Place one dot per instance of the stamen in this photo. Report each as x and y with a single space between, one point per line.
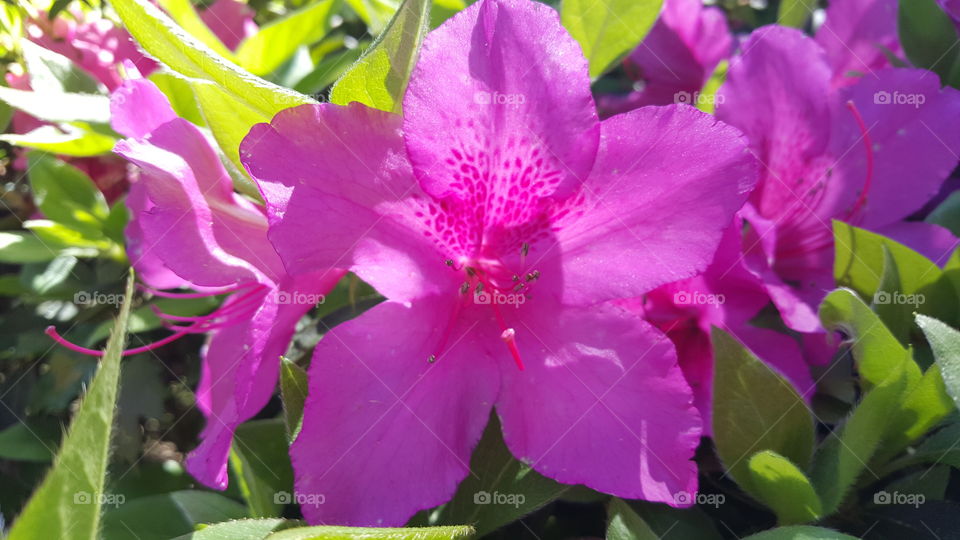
52 332
165 294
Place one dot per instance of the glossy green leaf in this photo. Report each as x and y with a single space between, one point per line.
379 78
755 409
800 533
845 455
859 262
51 71
59 106
185 15
945 342
75 139
21 247
370 533
795 12
293 393
180 95
785 489
168 515
929 38
608 30
276 42
624 524
65 194
68 502
875 350
237 100
374 13
261 465
499 489
241 529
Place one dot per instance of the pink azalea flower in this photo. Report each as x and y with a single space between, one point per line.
676 58
499 218
952 8
97 45
231 21
728 296
858 38
189 228
833 153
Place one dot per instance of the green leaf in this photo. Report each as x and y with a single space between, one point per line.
379 78
74 139
184 14
33 441
168 515
929 38
800 533
624 524
608 30
374 13
924 288
947 214
707 100
877 353
680 523
241 529
293 393
21 247
844 456
370 533
754 409
499 489
276 42
779 484
875 350
67 504
180 95
262 465
238 99
54 72
59 106
945 342
943 447
897 317
66 195
795 12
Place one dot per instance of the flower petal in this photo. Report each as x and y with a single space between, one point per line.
240 366
324 168
932 241
857 37
666 184
501 81
602 402
138 107
386 433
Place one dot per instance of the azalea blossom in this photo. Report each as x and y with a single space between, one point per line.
833 153
728 296
676 58
189 229
231 21
499 217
